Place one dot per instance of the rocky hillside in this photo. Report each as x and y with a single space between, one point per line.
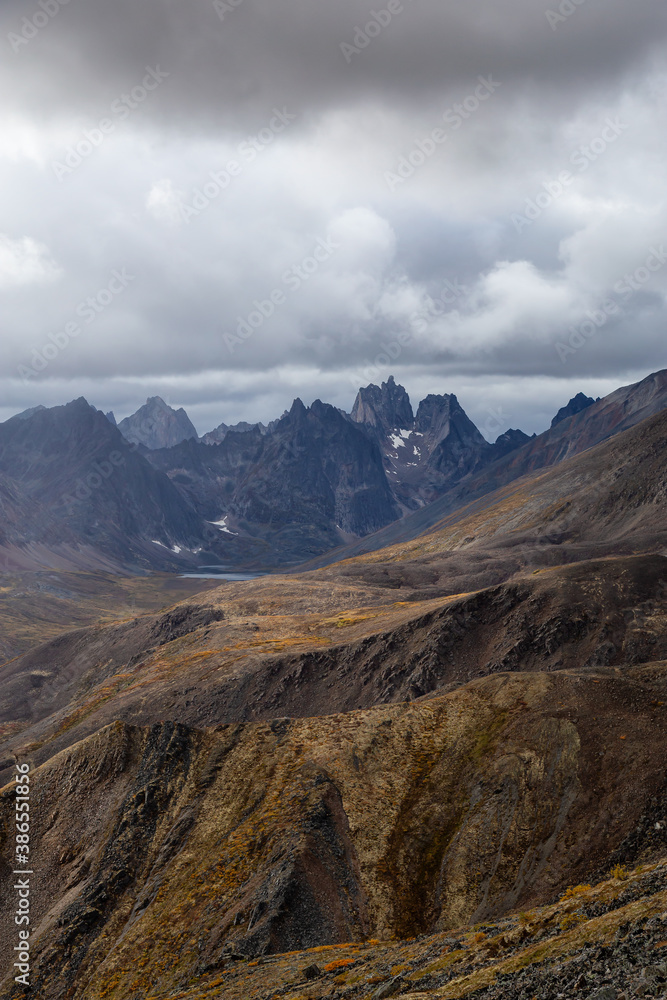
294 648
597 942
35 607
164 849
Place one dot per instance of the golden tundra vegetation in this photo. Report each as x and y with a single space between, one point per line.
38 606
361 780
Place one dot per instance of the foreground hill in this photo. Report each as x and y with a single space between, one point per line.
249 652
601 941
37 607
164 849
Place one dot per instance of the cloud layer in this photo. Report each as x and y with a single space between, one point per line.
233 203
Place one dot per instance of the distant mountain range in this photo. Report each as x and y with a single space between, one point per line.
77 491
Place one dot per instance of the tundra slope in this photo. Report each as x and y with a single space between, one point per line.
164 849
338 639
212 663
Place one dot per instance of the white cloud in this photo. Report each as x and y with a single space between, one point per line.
164 203
25 262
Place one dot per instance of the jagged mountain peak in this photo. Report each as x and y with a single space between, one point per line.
577 404
422 453
157 425
218 435
384 408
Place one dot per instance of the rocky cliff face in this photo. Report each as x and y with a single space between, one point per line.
302 487
454 444
317 467
426 454
384 409
156 425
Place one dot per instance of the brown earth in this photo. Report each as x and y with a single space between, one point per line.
614 931
35 607
160 850
211 663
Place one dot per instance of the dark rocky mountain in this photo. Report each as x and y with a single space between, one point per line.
209 474
309 483
453 443
29 413
75 494
505 443
218 435
314 480
426 454
620 411
384 409
317 459
577 404
156 425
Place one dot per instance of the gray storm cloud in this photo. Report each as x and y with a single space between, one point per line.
228 64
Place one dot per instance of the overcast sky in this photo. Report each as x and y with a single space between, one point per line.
231 204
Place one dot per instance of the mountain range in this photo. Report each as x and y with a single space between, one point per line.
431 769
79 492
